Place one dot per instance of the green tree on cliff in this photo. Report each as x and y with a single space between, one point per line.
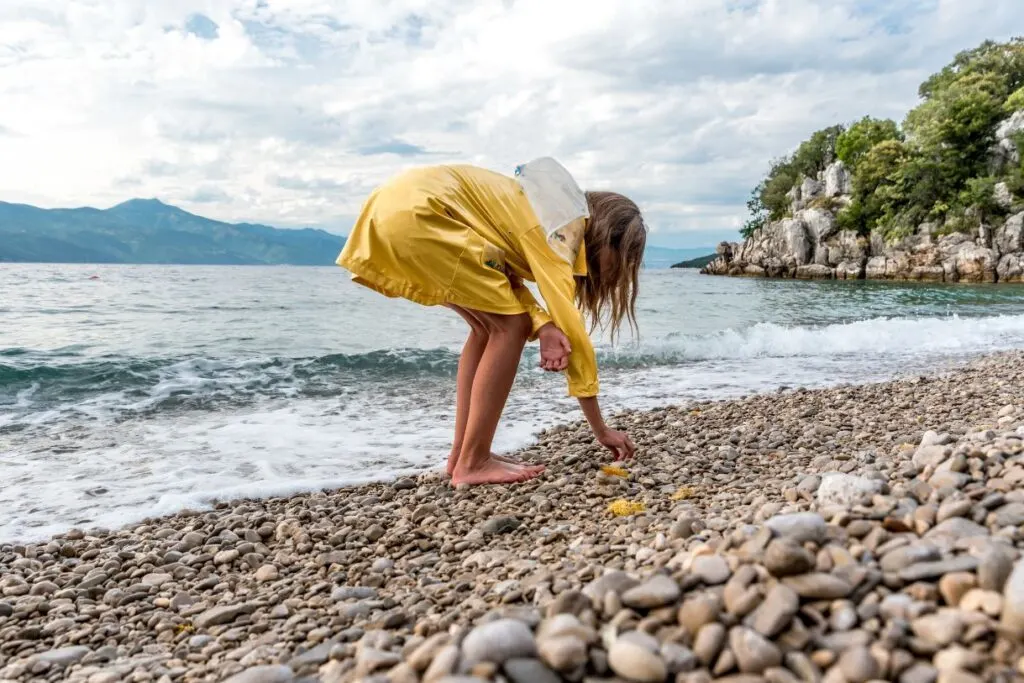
935 167
860 137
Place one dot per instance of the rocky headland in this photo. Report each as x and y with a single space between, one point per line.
810 244
853 534
938 197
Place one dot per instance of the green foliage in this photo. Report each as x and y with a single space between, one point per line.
815 154
1004 61
1015 102
936 167
856 140
980 193
853 217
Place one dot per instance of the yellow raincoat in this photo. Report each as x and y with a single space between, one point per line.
468 236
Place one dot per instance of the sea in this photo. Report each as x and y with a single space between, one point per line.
133 391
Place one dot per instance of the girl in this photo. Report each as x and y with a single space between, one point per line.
466 238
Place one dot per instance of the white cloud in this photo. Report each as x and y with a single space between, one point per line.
290 111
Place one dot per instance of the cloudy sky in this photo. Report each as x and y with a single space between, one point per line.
289 112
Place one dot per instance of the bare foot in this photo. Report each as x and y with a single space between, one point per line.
492 472
512 460
507 459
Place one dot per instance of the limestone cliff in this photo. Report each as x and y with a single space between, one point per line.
809 244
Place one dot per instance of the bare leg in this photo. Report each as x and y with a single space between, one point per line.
492 383
472 351
469 361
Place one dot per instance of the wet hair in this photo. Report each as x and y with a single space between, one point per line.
615 239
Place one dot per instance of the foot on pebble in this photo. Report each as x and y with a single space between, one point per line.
493 471
507 459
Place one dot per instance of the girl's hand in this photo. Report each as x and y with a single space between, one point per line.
618 443
554 348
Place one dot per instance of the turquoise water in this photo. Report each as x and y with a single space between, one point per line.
127 391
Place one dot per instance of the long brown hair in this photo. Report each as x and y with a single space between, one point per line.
615 239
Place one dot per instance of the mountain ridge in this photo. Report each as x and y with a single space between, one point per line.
150 231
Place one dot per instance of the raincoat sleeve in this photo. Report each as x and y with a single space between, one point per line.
554 277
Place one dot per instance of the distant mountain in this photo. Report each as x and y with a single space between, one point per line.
698 262
149 231
663 257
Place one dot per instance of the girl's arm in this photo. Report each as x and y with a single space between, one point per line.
554 278
617 442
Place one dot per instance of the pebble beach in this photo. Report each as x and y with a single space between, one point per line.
844 535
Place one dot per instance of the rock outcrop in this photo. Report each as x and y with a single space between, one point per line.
809 245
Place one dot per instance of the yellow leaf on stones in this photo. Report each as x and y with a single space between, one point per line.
613 471
623 508
694 412
184 628
683 493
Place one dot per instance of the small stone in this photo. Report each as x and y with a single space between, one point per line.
709 642
939 629
858 666
785 557
677 658
954 508
697 611
226 556
371 659
528 670
754 653
994 567
442 665
802 527
222 614
496 642
421 657
614 581
958 657
563 653
156 579
636 663
200 641
269 673
711 569
1012 619
374 533
499 525
353 593
181 600
901 558
105 677
64 656
919 672
958 676
931 570
267 572
846 489
978 600
819 586
656 592
683 528
777 610
1011 514
952 587
954 529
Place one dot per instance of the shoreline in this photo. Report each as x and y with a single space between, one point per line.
397 577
